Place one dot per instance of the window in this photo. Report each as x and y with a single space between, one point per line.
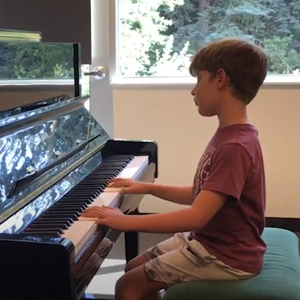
25 60
36 61
158 38
28 61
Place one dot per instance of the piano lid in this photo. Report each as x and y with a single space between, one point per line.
19 109
40 146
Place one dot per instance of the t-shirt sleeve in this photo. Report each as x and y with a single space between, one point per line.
229 170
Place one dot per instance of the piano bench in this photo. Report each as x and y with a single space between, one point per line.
279 280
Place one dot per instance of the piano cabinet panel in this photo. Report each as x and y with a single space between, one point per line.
91 267
30 266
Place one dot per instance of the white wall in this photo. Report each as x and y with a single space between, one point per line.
170 118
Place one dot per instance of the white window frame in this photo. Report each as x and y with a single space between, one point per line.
284 81
169 82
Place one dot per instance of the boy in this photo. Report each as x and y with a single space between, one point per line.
219 234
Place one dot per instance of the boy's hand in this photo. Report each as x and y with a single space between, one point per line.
130 186
108 216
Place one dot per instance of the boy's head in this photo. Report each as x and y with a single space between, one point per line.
228 67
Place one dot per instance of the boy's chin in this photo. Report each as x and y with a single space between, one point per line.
204 113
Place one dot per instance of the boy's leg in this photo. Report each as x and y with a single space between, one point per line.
134 264
145 281
188 262
166 246
137 265
135 285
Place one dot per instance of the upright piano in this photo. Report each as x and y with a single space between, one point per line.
56 161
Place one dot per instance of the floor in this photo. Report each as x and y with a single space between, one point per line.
102 285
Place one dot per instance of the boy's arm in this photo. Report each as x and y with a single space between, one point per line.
227 177
205 206
176 194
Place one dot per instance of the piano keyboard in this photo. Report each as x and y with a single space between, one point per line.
63 218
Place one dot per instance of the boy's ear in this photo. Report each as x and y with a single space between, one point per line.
222 78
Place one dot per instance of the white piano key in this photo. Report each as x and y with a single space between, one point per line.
110 196
80 232
133 171
113 189
87 219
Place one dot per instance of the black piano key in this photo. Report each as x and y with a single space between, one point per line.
93 184
74 200
67 210
46 232
120 157
85 196
51 226
50 221
105 165
105 173
70 210
97 177
46 218
62 214
97 180
103 179
111 166
111 169
83 193
71 203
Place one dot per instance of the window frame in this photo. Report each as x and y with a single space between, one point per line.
118 82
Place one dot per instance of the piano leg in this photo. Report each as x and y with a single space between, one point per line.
132 241
131 245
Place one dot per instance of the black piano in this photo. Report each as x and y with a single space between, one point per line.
57 160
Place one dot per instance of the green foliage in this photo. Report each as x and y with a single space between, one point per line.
34 60
186 25
159 38
283 59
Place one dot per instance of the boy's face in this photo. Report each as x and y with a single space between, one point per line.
206 94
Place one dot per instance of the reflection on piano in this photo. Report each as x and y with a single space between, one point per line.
56 161
17 110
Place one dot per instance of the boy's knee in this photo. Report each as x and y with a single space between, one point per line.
129 266
135 262
123 290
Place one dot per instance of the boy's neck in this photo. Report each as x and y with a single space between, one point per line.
236 113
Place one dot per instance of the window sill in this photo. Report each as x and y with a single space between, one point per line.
177 83
272 81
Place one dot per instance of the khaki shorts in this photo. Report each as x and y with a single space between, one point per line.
182 258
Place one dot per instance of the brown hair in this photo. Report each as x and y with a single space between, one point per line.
244 63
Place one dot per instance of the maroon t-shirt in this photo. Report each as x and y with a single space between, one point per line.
233 164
